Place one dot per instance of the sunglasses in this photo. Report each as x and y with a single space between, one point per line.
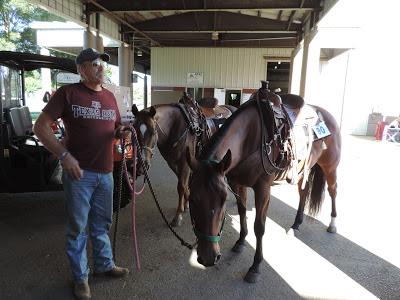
97 63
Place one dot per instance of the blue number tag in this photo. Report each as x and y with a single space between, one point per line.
321 130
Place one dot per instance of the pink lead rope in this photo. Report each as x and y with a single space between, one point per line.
132 188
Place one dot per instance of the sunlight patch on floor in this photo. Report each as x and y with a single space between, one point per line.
367 205
193 260
303 269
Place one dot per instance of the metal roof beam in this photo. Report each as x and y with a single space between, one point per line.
213 9
201 5
221 21
292 15
114 16
219 31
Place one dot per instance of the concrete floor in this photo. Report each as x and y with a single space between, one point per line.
361 261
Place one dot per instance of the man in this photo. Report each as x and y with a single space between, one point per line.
91 118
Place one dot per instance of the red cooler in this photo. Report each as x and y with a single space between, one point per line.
379 130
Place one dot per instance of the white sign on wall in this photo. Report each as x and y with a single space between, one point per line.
245 97
194 79
123 96
220 95
68 78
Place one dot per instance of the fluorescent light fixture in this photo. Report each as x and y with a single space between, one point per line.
214 36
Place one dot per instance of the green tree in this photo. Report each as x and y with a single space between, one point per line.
17 35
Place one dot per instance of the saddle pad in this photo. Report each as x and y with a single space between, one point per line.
302 120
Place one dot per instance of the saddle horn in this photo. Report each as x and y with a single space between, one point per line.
265 85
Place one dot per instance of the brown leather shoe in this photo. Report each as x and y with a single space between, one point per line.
82 290
115 272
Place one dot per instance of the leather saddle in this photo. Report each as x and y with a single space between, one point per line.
215 115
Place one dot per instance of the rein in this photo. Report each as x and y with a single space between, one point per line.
176 143
132 188
146 176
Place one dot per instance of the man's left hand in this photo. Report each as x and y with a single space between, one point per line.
123 132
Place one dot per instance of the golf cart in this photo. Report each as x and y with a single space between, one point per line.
25 164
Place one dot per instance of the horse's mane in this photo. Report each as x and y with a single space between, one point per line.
221 132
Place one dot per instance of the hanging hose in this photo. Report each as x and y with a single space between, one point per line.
131 185
146 176
119 195
132 188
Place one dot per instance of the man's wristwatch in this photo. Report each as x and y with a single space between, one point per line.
63 155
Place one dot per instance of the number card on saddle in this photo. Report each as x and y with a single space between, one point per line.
275 129
196 121
307 127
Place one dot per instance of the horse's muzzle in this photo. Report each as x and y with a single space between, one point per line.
208 254
210 263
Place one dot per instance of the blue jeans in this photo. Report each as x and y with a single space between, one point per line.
88 202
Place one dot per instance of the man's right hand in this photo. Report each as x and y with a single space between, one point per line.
71 166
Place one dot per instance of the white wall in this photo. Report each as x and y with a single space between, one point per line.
221 67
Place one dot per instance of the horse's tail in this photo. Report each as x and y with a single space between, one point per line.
316 192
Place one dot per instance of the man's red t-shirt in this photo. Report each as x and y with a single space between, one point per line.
90 119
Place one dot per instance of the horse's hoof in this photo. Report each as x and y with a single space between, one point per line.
238 248
251 277
177 221
331 229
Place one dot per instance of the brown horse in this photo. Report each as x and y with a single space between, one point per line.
234 152
165 126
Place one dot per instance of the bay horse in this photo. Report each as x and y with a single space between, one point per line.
165 125
234 153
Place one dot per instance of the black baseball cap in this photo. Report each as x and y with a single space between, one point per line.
90 54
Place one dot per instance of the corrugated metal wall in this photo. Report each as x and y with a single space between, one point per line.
107 26
221 67
73 10
65 8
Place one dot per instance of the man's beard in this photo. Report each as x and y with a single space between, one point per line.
100 77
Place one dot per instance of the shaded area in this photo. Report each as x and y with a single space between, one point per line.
35 267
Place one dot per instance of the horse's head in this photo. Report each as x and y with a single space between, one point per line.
146 129
208 192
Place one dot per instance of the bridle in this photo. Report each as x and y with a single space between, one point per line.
206 237
151 150
202 236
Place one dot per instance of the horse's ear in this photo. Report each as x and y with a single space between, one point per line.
192 161
152 111
135 110
225 163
